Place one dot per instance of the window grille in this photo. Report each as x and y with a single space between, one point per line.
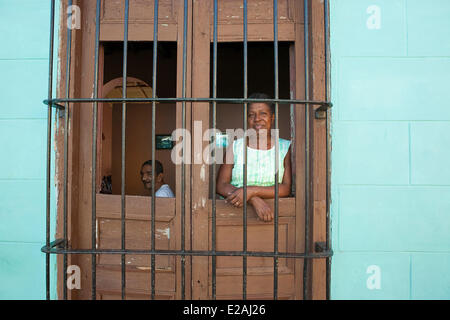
61 246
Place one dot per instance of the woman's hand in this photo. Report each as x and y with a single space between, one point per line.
236 198
262 209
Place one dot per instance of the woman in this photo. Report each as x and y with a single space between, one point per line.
260 163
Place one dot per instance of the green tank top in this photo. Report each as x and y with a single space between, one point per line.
260 164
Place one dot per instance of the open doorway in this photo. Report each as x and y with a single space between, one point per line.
139 115
230 84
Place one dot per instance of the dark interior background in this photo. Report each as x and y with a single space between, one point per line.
229 85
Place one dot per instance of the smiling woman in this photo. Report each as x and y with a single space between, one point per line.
261 164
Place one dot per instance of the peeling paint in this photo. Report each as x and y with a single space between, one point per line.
144 268
203 202
165 232
96 234
203 173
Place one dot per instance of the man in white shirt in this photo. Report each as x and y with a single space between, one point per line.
161 189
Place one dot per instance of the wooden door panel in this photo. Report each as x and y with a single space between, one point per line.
139 10
259 17
286 209
137 281
260 11
137 237
133 295
108 208
260 237
258 286
281 296
140 20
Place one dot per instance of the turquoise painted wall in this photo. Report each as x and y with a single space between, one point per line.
391 137
24 36
390 69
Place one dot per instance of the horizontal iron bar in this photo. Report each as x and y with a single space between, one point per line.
56 105
170 100
324 254
56 243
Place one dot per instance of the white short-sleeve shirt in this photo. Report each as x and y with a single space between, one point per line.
164 192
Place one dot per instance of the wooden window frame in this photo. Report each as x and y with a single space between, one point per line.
79 154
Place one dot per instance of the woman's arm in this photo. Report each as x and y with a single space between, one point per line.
284 188
223 186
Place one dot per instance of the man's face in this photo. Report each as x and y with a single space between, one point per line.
146 176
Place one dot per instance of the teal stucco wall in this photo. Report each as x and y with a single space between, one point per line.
24 65
390 70
390 206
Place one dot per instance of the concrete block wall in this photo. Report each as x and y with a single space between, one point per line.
24 65
390 69
390 137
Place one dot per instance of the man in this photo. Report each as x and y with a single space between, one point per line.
161 189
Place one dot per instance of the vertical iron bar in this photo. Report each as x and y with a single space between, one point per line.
183 173
214 154
328 145
293 124
124 122
275 41
49 144
307 164
94 153
66 151
155 56
244 240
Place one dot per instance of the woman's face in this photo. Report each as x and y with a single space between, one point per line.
259 117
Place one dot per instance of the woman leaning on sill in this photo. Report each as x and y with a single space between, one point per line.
260 163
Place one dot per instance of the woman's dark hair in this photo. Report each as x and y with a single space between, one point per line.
158 166
258 95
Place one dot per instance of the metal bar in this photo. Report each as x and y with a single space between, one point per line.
49 150
94 153
155 57
172 100
183 169
328 144
293 139
55 105
214 116
124 123
56 243
244 240
277 151
318 255
307 162
66 151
